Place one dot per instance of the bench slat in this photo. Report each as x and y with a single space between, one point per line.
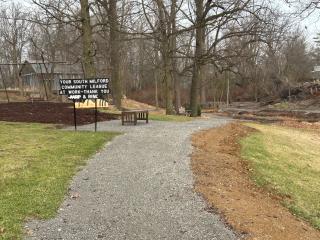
133 116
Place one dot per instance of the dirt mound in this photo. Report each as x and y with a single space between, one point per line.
304 91
47 112
307 111
129 104
223 179
132 104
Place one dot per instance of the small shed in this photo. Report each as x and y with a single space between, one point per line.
35 74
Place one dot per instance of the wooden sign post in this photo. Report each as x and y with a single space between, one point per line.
84 89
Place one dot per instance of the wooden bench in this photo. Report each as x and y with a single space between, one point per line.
133 116
35 97
188 112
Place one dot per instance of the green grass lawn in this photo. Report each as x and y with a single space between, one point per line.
37 163
287 161
173 118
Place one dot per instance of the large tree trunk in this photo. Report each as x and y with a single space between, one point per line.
173 46
194 95
177 92
165 48
141 59
197 67
115 53
87 42
203 87
156 73
167 75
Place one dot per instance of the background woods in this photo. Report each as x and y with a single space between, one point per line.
173 54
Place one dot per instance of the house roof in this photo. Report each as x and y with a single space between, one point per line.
43 68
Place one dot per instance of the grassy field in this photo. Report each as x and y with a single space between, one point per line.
287 161
36 165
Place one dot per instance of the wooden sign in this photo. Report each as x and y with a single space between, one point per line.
83 89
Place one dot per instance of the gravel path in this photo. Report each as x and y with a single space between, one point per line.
139 186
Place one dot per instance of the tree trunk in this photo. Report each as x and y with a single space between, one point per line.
156 93
203 87
141 59
177 92
194 95
165 45
115 53
167 74
156 74
173 46
203 93
197 66
17 79
87 42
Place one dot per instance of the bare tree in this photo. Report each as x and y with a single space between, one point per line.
14 34
115 48
216 18
77 15
166 48
163 26
304 6
87 41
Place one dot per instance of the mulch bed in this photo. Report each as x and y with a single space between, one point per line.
48 112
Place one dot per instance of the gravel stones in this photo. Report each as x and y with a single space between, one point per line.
140 186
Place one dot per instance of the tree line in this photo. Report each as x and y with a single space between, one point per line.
180 52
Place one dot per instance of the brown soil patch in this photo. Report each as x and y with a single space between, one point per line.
223 179
132 104
300 125
47 112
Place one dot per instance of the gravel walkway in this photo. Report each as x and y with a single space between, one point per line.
139 186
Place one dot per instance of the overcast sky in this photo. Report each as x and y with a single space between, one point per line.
310 25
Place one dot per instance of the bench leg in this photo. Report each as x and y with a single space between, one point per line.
135 119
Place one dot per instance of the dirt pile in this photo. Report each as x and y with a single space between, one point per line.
132 104
48 112
306 110
304 91
223 179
